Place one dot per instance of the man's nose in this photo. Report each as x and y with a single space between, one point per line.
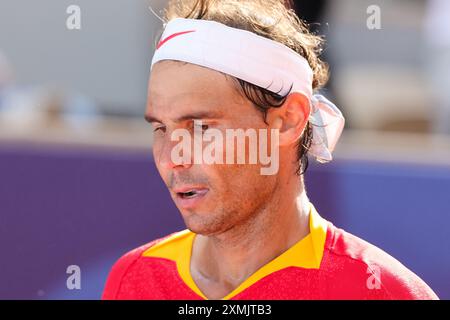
174 154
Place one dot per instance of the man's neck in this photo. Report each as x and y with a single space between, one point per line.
227 259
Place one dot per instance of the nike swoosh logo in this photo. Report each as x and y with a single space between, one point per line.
162 42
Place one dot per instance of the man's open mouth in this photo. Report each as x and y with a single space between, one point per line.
185 195
192 193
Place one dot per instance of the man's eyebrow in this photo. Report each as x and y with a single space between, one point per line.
149 118
190 116
200 115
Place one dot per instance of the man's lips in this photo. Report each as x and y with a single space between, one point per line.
189 196
190 189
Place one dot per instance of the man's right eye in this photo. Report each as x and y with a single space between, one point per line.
161 128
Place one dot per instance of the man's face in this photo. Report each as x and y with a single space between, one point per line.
225 195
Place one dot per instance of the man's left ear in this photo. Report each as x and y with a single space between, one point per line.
290 119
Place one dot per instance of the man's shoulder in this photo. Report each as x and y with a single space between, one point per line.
360 263
161 249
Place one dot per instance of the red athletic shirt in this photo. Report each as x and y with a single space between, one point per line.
328 263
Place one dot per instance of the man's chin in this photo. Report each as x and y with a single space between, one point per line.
199 229
199 225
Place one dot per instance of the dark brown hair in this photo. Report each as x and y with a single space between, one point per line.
275 20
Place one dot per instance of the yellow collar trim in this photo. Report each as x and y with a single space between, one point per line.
306 253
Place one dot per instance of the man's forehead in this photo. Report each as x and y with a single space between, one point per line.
175 79
197 98
177 89
187 101
184 105
168 96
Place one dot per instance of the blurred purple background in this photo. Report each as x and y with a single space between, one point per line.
87 206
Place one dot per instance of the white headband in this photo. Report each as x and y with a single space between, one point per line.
257 60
